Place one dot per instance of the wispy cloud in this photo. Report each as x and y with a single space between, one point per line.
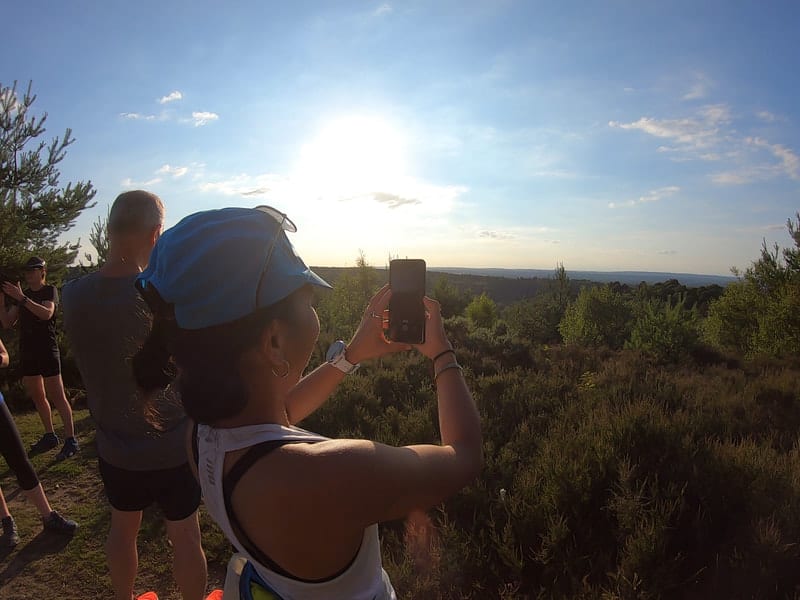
393 200
784 162
495 235
691 134
132 116
383 9
710 135
171 97
667 252
651 196
203 118
767 116
176 172
699 88
256 192
246 185
130 183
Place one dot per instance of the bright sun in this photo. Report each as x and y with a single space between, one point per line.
353 156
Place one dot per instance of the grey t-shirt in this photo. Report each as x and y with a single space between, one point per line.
106 322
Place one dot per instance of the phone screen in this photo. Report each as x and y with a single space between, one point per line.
406 309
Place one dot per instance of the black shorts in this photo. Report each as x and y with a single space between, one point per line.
46 364
176 490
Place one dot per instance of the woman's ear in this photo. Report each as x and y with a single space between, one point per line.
273 344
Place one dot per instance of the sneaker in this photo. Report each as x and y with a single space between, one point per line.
215 595
47 442
58 524
70 449
147 596
10 536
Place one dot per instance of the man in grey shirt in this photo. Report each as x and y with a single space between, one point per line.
142 455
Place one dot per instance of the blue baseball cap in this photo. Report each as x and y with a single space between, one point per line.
217 266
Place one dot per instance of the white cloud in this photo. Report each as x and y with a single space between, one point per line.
690 134
699 87
176 172
246 185
789 162
130 183
709 135
383 9
203 118
171 97
784 163
132 116
767 116
495 235
651 196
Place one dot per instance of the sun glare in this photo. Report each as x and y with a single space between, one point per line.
353 156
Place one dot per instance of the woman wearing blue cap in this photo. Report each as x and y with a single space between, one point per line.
233 309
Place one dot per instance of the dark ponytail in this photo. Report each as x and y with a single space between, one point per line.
153 367
206 360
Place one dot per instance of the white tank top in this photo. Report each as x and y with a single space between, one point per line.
364 579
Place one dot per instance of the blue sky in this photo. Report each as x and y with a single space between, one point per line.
618 135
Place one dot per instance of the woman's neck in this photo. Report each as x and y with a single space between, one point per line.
263 406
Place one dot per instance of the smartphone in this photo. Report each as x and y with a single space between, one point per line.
406 309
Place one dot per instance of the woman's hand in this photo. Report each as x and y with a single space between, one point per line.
435 337
369 341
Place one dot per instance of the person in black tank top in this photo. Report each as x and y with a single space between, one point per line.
40 360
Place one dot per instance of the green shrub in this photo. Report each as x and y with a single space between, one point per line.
666 332
599 316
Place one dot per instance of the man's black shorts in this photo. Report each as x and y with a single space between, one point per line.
176 491
46 364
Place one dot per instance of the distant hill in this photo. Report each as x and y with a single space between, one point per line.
506 286
629 277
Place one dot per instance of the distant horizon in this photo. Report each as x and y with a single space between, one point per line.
601 276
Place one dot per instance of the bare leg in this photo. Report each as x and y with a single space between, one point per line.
121 552
188 561
3 506
36 497
55 392
35 389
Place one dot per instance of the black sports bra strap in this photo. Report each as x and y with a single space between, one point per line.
249 458
195 447
229 482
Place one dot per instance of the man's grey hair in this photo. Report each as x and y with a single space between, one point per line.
135 211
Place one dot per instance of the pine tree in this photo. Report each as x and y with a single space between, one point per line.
35 210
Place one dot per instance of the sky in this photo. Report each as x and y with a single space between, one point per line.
604 135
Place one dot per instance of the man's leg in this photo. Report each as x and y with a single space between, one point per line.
189 560
121 552
54 387
34 386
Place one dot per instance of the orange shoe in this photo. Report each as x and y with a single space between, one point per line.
215 595
148 596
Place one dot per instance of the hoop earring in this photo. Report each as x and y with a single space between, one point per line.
285 373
